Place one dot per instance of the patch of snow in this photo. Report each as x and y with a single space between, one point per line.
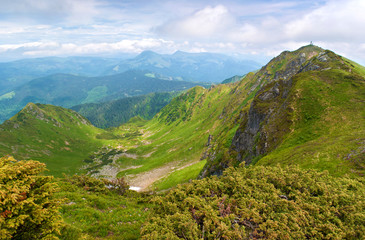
134 188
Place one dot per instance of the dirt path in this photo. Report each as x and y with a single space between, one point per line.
111 171
143 181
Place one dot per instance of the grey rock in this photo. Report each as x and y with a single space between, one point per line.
323 57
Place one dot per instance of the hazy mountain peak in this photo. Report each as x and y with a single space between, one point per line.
147 53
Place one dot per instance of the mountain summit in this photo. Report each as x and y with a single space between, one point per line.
307 112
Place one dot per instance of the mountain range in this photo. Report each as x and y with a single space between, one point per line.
196 67
70 90
62 81
303 108
16 73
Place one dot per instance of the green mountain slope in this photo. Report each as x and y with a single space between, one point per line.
116 112
308 112
59 137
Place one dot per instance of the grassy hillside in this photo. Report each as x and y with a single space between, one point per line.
116 112
59 137
328 131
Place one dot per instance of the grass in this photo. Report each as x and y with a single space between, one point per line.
324 126
179 133
95 215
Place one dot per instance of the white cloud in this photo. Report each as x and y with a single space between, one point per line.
46 11
210 22
10 47
262 28
71 49
336 21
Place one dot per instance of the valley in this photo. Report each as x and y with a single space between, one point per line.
301 114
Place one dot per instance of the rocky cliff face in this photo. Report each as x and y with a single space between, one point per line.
268 114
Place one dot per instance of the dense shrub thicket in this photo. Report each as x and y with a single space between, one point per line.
28 208
261 202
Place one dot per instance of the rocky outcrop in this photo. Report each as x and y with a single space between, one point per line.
270 107
268 118
208 146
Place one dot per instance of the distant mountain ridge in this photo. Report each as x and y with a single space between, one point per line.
77 80
69 90
201 67
17 73
179 66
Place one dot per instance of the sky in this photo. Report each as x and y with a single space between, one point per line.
254 29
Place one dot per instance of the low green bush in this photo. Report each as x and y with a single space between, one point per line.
28 207
261 202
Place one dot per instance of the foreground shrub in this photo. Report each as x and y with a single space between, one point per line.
261 202
88 183
118 185
28 208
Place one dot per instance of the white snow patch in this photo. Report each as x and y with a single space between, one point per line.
135 188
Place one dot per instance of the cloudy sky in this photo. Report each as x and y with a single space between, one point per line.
258 29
